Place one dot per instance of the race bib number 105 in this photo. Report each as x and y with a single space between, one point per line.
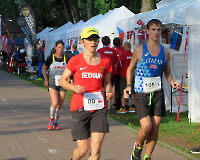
151 84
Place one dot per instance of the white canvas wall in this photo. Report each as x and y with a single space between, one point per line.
194 73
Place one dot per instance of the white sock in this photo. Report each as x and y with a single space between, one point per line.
52 112
58 114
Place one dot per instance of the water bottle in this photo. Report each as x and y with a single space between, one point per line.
18 70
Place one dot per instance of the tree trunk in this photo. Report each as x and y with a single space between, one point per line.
90 8
67 9
148 5
131 5
75 10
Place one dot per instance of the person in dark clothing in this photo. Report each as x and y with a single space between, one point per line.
40 56
22 56
5 57
75 51
68 53
33 57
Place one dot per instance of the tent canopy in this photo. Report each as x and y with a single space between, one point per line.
17 41
184 12
164 3
103 23
46 30
50 35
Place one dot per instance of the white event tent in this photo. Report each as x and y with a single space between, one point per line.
50 38
164 3
185 13
103 23
46 30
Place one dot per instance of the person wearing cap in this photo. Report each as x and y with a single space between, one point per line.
88 105
68 53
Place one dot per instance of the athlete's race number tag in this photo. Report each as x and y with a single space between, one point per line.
151 84
93 101
57 78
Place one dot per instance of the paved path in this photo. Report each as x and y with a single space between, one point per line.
24 115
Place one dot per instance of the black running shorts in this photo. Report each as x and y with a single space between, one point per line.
86 122
157 107
123 84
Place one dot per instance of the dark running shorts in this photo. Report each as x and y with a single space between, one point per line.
157 107
57 88
112 83
86 122
123 84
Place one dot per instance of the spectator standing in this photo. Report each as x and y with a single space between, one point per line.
4 58
74 49
40 56
112 55
68 53
125 58
116 77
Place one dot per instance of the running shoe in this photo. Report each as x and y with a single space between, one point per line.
56 126
131 110
147 158
51 124
195 150
136 155
122 110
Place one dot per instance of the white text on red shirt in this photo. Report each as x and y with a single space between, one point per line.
92 75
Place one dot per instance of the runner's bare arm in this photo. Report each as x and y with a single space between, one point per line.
108 87
63 82
167 70
44 67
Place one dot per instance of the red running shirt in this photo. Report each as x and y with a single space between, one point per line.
125 60
119 51
87 76
111 54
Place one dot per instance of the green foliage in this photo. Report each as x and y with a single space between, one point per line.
49 13
8 9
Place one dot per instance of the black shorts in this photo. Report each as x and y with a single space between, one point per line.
111 82
123 84
157 107
86 122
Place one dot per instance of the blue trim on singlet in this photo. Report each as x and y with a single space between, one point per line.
149 66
